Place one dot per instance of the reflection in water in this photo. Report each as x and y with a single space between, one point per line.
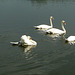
41 31
52 56
51 61
45 1
39 2
59 54
70 42
28 51
28 48
54 36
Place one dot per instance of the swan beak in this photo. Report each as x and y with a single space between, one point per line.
51 17
65 23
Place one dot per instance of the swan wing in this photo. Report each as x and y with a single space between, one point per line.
55 31
30 42
33 42
14 43
43 26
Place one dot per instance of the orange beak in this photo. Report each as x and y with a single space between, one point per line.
65 23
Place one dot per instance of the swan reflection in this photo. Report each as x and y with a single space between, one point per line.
41 31
27 50
54 36
70 42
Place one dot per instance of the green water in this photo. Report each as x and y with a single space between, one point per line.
50 56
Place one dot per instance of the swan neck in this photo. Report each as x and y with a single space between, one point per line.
51 22
63 27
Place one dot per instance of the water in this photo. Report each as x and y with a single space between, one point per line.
50 56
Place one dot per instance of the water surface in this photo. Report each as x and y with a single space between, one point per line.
50 56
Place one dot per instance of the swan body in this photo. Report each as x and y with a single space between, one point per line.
14 43
54 31
57 31
43 26
70 39
25 40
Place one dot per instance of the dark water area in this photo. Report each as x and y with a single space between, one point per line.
50 56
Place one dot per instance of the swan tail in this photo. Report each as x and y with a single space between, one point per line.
14 43
36 27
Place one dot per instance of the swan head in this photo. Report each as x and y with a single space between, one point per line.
51 17
29 37
63 22
32 41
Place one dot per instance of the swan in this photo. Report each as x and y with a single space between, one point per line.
25 40
70 39
57 31
43 26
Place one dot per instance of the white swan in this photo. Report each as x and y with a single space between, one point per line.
25 40
57 31
70 39
43 26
